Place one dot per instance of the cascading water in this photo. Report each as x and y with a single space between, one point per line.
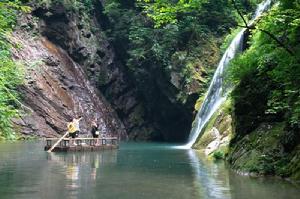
217 92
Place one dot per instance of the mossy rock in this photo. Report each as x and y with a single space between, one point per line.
222 122
217 155
136 117
291 168
199 103
220 153
262 152
206 138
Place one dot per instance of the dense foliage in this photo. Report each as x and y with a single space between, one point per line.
75 5
166 11
10 72
277 62
173 36
267 96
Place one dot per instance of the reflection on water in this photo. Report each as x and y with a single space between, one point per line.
209 180
81 168
133 171
216 181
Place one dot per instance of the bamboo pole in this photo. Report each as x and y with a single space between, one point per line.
54 145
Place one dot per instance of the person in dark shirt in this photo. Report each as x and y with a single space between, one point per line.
95 131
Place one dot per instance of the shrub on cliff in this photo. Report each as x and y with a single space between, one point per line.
276 61
10 73
267 96
180 38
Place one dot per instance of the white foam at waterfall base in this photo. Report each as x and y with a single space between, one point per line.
217 92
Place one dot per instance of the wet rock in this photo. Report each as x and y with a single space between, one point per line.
72 31
213 146
58 92
51 61
218 132
149 92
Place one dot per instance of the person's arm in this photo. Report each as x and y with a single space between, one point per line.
78 120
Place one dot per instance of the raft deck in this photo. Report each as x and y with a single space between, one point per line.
82 144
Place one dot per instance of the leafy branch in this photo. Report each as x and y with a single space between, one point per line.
252 27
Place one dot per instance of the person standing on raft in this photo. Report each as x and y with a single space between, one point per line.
95 131
73 128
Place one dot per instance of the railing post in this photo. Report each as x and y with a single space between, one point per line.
49 142
114 141
65 142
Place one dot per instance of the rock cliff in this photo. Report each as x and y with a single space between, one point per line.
145 103
56 90
72 69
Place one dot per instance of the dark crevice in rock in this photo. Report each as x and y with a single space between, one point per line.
154 93
145 101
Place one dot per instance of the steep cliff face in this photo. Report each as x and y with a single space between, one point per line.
263 143
169 65
145 101
217 133
265 101
69 66
56 90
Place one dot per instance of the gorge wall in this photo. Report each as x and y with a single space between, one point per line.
67 59
151 99
261 114
72 69
57 90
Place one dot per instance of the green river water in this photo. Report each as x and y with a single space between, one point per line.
135 171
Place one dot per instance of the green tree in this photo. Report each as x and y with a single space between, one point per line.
278 62
11 74
172 35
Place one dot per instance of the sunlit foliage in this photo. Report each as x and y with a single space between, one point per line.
281 67
172 35
11 74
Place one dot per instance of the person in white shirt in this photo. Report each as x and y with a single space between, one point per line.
75 128
76 124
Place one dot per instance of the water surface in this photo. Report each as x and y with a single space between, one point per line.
134 171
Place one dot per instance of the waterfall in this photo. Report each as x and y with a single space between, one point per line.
217 92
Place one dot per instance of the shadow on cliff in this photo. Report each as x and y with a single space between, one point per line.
145 102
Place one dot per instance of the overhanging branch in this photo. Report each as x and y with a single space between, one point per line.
239 12
252 27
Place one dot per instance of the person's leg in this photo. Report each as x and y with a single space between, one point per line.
94 136
70 137
73 138
97 141
77 135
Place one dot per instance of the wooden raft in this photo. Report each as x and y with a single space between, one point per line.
82 144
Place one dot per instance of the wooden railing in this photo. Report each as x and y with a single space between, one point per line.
83 141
